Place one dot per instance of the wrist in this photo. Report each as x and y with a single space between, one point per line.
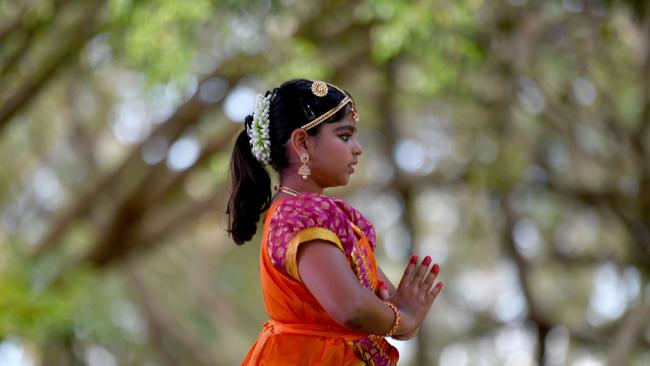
407 325
407 336
396 325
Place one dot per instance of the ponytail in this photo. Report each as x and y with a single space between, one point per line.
251 190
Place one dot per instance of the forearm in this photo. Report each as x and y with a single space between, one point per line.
326 273
372 315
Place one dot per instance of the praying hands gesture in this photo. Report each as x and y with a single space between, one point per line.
325 272
414 295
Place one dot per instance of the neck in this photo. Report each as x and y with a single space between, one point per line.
296 182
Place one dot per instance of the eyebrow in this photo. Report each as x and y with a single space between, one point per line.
346 127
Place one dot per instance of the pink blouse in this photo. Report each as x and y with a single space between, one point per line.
312 216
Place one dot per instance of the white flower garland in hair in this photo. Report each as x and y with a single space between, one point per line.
259 130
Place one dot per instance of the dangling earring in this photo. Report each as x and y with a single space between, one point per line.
304 168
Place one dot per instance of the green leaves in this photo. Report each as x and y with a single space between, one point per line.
33 308
435 37
158 37
26 310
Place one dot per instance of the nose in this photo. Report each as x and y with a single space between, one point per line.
356 148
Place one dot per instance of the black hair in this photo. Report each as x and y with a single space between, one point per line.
292 105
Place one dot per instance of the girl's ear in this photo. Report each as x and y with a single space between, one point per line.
298 141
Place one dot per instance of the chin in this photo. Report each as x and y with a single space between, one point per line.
338 183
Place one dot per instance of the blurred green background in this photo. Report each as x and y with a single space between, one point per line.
508 139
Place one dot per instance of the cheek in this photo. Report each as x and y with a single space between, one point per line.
338 155
339 147
330 156
331 150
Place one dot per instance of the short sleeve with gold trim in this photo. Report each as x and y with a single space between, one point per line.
297 220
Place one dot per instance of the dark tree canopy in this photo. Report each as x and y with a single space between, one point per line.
508 139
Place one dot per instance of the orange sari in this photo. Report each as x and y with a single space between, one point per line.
300 331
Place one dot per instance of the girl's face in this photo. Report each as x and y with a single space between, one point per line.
334 153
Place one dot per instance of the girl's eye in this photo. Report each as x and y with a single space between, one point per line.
345 137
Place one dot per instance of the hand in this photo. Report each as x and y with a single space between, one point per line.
416 293
385 295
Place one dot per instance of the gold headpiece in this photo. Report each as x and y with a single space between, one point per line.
320 89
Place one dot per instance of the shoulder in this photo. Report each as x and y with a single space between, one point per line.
307 204
357 218
303 218
309 210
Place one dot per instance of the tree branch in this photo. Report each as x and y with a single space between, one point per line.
13 25
164 327
644 118
628 333
186 114
167 225
25 93
523 269
173 183
27 35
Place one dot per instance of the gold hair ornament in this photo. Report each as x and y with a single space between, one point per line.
319 88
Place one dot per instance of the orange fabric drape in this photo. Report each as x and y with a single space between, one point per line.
300 332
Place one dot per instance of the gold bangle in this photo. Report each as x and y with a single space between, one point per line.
393 329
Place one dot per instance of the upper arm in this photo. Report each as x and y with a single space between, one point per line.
302 219
324 270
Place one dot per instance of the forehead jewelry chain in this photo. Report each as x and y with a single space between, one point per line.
289 191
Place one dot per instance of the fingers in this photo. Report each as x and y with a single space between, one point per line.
418 280
436 290
383 290
422 270
409 272
431 277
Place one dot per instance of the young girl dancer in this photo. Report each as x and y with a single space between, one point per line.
328 301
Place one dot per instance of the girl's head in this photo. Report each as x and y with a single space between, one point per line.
308 118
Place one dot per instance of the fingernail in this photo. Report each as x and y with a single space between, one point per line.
414 259
439 285
384 286
426 260
380 283
435 269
